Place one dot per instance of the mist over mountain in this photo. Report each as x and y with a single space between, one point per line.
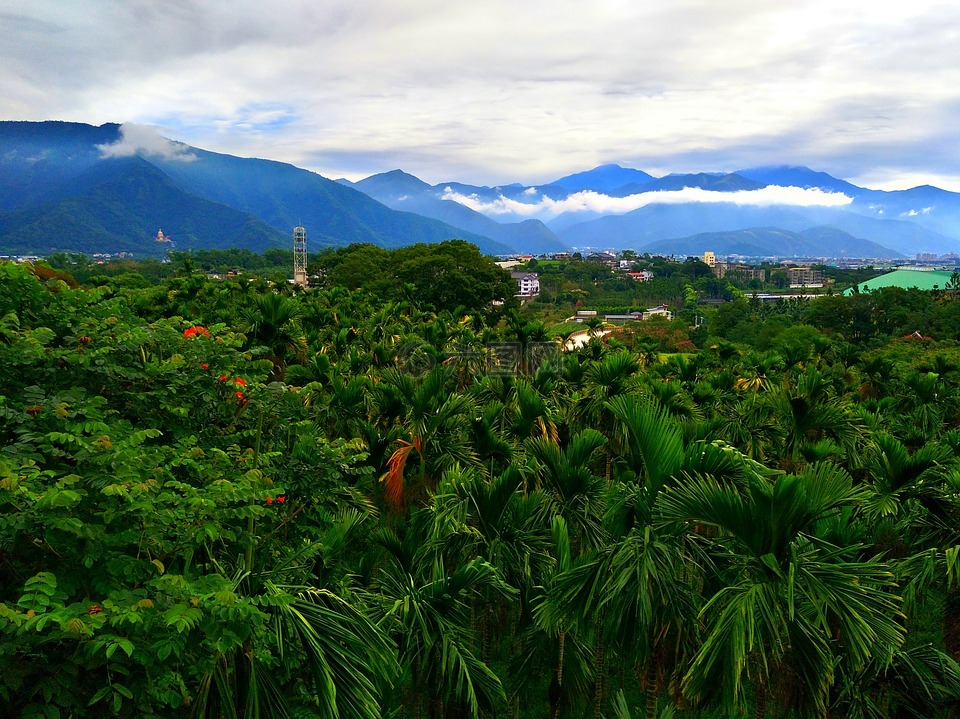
797 176
402 191
731 182
639 228
110 188
792 198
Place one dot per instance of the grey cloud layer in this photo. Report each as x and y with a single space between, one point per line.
501 91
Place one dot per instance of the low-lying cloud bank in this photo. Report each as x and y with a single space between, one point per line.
145 140
590 201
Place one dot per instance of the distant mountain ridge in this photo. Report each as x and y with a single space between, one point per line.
121 209
921 219
78 187
402 191
731 182
641 227
770 241
52 194
605 178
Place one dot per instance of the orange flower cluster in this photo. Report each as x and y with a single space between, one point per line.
239 382
196 330
279 500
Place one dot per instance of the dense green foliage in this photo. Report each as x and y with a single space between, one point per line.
865 320
445 275
221 499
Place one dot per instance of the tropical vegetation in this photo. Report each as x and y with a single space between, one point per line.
230 498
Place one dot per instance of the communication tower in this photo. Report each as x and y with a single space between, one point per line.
300 256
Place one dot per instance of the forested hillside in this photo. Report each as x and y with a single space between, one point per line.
394 498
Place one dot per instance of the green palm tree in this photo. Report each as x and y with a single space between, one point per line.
926 403
752 427
789 604
317 369
574 491
274 323
313 637
894 475
532 414
918 682
434 421
808 412
426 606
605 379
876 377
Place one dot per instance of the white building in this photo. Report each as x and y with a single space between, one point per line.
528 283
658 311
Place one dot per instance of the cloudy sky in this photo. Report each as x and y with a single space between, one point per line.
508 91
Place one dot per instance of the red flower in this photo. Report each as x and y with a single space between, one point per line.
204 365
282 498
223 378
239 382
269 500
241 397
196 330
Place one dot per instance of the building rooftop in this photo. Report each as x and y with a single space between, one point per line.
906 279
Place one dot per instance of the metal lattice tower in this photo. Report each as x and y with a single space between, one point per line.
300 256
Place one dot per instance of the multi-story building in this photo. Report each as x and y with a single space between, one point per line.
744 273
528 283
805 277
709 259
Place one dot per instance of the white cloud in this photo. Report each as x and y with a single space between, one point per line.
915 213
590 201
146 140
501 91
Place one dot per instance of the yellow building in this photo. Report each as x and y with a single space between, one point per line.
709 259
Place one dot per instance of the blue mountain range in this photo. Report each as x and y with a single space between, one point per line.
62 188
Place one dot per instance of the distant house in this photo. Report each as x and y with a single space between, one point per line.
644 276
658 311
607 257
621 318
528 283
638 316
